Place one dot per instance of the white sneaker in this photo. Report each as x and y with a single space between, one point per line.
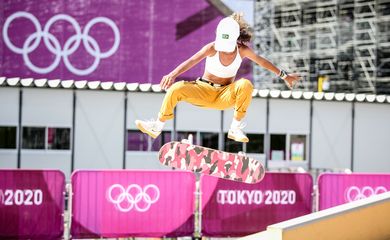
237 134
150 127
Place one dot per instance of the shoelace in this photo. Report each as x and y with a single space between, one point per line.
241 126
152 123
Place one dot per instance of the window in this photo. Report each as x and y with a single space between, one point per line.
278 146
209 140
7 137
298 147
55 139
33 138
255 144
138 141
58 138
232 146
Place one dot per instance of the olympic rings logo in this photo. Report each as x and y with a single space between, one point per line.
133 197
53 45
354 193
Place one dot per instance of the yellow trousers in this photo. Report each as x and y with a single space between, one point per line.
237 94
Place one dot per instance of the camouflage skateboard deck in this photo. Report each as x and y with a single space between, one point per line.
211 162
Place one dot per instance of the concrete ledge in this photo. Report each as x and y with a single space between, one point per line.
360 220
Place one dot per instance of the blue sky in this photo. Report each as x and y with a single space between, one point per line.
245 6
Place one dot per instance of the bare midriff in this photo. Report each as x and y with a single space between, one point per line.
212 78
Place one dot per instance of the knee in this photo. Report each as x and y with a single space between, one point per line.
245 84
176 87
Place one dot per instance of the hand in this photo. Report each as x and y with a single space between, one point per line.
167 81
291 80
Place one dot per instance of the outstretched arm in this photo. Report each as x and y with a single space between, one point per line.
169 79
290 79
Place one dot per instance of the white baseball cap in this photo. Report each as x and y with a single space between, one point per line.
228 31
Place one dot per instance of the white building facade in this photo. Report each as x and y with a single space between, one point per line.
70 125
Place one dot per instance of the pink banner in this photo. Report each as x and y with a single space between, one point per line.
233 209
126 203
336 189
31 204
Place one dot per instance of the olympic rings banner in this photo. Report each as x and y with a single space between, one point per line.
233 209
31 204
339 188
119 41
127 203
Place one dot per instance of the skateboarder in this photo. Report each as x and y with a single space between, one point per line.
217 87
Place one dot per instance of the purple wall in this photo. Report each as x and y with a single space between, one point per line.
152 36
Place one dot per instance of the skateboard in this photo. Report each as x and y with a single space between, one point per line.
212 162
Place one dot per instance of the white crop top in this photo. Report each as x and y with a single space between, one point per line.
215 67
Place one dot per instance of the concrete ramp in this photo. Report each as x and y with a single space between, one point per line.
365 219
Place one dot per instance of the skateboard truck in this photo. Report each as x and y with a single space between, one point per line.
190 140
241 153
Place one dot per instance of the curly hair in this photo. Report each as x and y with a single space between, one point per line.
245 31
